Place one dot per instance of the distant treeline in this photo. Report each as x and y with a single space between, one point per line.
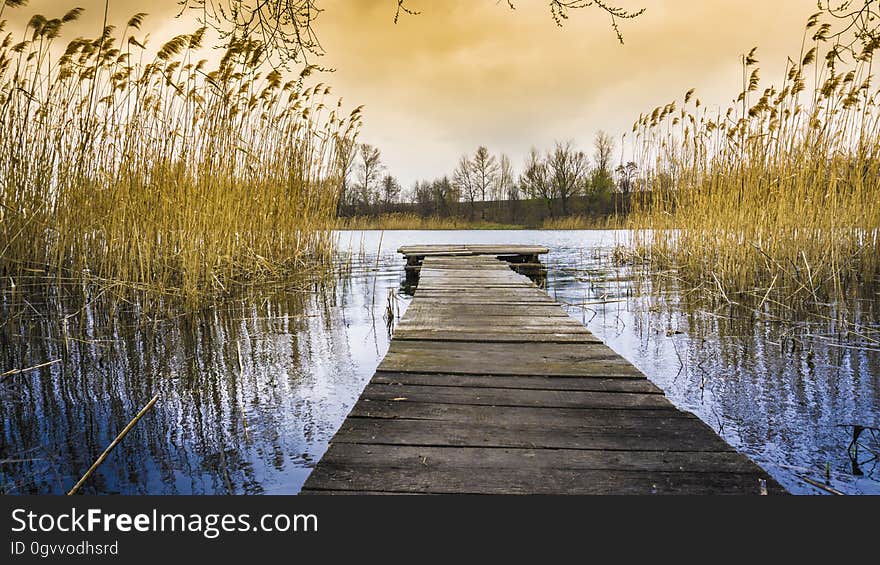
560 182
529 212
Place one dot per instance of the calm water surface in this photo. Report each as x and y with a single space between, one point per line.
251 393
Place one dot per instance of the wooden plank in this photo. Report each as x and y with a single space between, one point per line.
438 258
459 334
456 264
469 287
516 292
427 273
490 310
435 268
511 397
548 359
312 492
473 271
499 324
539 460
514 415
484 249
510 324
461 298
596 384
461 279
524 479
448 263
454 268
402 432
517 289
572 353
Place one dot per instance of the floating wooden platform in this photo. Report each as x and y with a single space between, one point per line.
523 258
490 387
469 249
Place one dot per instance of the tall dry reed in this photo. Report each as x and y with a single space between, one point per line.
779 195
155 173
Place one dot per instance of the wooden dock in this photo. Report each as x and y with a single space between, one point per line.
523 259
490 387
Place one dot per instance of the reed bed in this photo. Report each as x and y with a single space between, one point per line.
582 223
778 197
155 173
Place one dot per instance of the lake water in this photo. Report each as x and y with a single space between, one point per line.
251 392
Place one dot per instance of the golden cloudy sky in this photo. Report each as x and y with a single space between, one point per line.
471 72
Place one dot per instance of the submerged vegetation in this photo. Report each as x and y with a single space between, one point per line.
156 176
778 198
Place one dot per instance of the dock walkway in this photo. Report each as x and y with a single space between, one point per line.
490 387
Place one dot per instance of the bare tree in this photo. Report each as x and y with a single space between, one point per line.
506 187
602 180
370 168
445 195
464 181
859 29
567 171
346 151
603 145
485 170
435 198
535 180
390 190
626 176
423 197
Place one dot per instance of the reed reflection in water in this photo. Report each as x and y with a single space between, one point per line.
250 393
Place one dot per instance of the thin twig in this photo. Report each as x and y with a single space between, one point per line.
821 486
113 444
19 371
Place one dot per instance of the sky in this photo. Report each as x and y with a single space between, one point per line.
465 73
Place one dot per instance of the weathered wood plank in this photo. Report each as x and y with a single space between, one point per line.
441 265
525 480
490 310
443 311
595 384
481 249
514 415
513 397
481 458
470 285
460 298
548 359
512 324
501 336
470 280
307 492
507 292
400 432
571 353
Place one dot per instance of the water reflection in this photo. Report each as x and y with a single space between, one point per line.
782 388
251 393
